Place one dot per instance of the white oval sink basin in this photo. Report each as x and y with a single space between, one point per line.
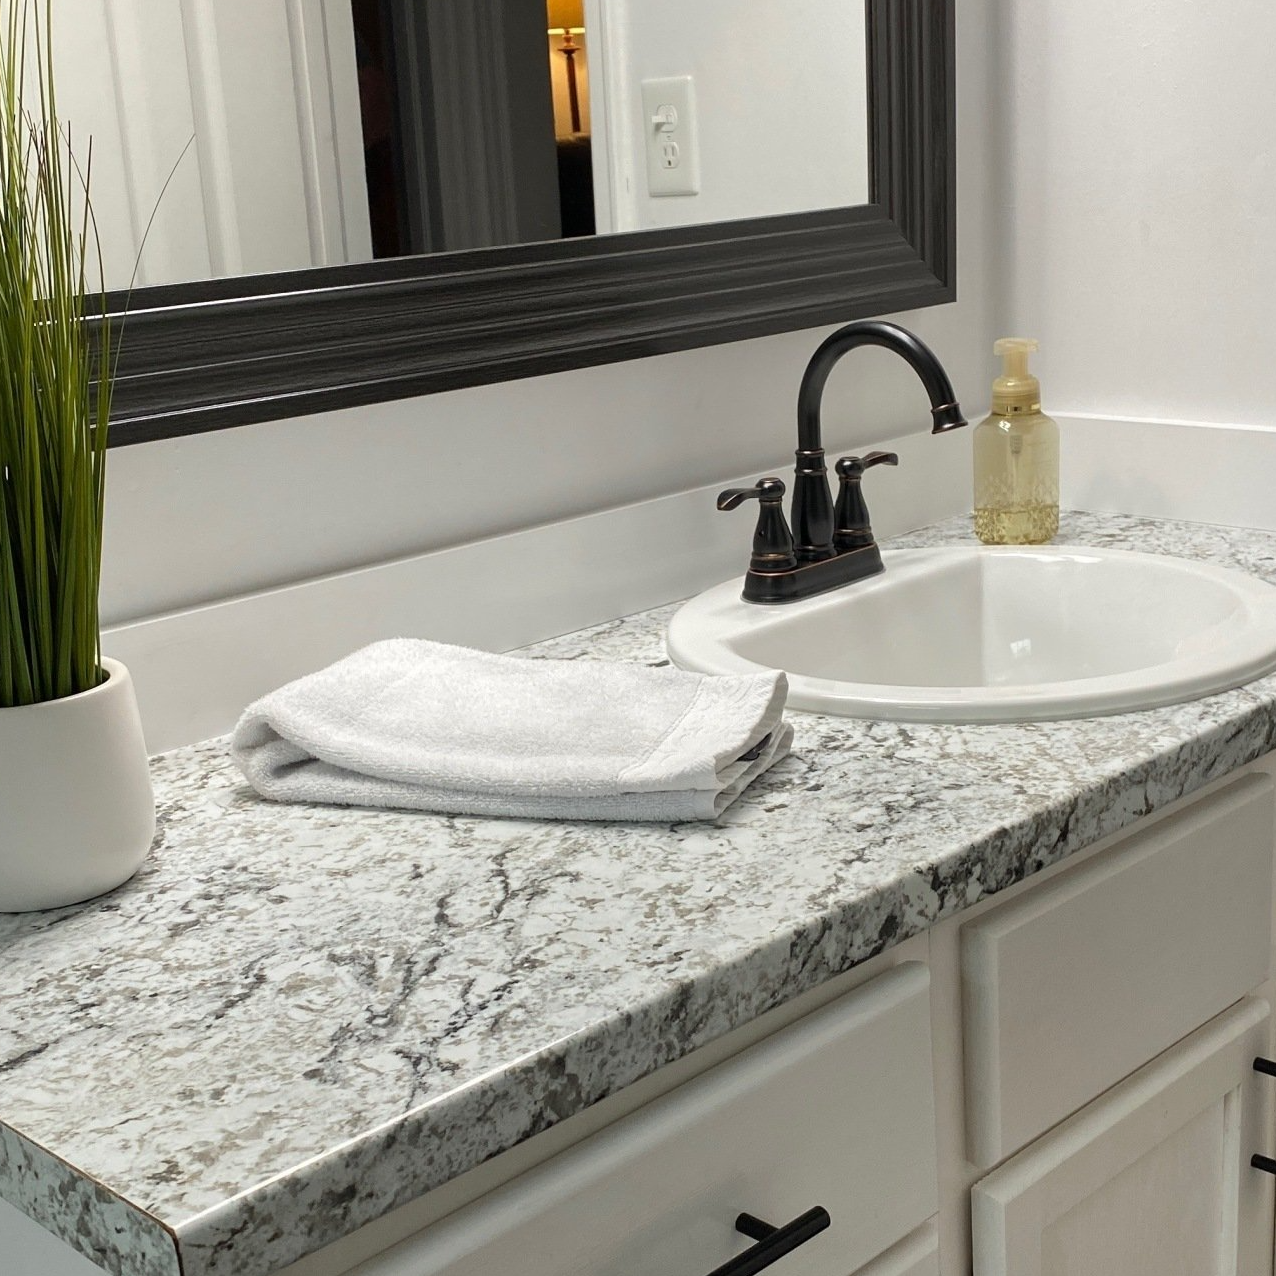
996 635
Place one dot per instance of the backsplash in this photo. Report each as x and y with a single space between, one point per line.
195 669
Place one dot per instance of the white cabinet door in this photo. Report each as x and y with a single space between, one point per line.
1153 1178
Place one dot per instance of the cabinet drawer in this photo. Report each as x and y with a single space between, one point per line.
836 1110
916 1256
1074 985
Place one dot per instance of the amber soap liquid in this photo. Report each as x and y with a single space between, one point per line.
1016 479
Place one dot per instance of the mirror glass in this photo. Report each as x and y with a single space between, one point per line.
235 137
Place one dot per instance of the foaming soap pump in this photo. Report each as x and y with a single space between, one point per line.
1016 457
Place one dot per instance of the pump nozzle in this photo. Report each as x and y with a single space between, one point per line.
1016 390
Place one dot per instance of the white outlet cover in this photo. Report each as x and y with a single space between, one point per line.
673 153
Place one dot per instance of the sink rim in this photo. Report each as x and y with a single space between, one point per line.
1249 654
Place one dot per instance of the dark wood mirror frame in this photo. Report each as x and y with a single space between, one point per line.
225 352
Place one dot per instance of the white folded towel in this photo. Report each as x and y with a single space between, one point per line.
426 726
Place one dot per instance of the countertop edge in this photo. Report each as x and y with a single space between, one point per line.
108 1230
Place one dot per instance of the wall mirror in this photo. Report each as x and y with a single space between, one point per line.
309 204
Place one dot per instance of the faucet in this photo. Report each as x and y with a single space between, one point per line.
830 546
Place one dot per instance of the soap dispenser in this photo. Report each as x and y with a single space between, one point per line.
1016 457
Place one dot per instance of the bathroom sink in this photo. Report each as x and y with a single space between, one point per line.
996 635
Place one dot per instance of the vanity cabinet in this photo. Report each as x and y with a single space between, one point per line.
1057 1081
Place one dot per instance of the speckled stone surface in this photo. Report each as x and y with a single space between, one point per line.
295 1019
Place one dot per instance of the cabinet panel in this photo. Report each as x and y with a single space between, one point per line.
916 1256
1075 984
1152 1179
836 1110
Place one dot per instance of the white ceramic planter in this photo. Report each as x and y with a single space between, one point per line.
77 813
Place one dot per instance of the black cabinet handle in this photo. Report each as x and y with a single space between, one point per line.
1258 1161
772 1242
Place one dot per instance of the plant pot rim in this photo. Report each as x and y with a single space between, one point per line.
115 672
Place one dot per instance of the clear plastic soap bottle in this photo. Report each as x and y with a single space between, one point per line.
1016 457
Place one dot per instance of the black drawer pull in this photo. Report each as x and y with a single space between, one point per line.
772 1242
1259 1162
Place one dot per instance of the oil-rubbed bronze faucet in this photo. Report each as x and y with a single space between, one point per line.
830 546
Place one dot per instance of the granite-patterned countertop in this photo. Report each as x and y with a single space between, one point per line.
295 1019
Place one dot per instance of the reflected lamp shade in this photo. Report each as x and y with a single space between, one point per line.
564 15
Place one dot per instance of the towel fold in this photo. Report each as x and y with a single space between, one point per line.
426 726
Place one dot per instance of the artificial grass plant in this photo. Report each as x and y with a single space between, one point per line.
53 418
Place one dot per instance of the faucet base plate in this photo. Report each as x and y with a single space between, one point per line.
808 579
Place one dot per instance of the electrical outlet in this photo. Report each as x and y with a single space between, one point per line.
669 124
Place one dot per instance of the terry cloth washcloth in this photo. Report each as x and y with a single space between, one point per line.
426 726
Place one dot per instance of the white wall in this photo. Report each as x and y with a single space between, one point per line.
781 105
1139 160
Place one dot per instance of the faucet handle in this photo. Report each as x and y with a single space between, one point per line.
765 489
853 467
851 529
772 540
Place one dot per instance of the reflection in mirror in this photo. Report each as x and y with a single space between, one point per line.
326 132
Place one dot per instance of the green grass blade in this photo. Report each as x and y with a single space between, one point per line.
52 426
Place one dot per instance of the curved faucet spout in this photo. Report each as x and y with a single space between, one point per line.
817 555
812 500
873 332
